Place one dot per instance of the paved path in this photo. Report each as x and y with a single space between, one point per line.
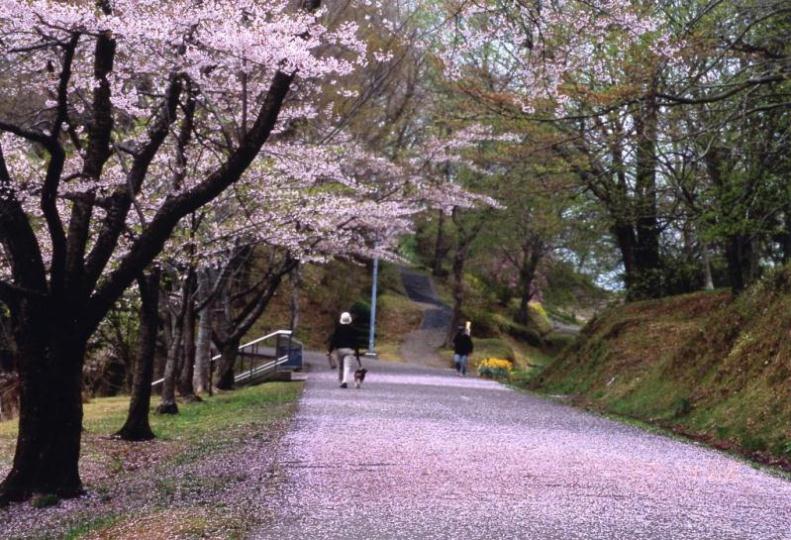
421 453
420 346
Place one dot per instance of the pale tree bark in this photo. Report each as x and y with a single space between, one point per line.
296 289
708 280
203 352
168 404
185 383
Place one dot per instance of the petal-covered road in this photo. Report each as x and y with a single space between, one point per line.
423 453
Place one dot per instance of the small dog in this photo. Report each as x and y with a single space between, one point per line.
359 377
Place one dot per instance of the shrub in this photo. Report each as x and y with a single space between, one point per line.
484 322
539 318
682 407
753 443
495 368
518 331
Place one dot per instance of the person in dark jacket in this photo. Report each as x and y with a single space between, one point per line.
344 344
462 349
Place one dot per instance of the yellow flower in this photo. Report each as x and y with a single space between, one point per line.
496 363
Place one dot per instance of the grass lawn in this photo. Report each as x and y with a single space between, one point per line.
193 481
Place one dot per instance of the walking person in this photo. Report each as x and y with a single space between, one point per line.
462 349
344 345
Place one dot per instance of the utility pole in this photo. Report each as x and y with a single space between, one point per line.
372 326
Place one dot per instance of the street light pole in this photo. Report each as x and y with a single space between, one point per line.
372 327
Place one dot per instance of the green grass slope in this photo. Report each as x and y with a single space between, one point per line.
192 481
703 364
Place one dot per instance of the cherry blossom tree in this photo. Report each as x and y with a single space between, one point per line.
323 201
139 113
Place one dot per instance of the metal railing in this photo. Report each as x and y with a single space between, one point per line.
257 358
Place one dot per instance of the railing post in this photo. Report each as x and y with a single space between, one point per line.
289 347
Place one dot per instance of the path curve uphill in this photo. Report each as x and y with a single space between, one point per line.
421 453
420 346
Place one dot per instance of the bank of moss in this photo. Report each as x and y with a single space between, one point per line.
708 365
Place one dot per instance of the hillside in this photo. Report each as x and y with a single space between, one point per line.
342 286
339 286
704 364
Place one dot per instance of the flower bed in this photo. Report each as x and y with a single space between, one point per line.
495 368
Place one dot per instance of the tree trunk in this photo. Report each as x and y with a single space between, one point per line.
523 313
531 256
50 358
708 280
787 234
735 255
225 371
625 238
440 250
167 404
203 353
296 287
201 380
185 387
459 260
648 276
173 365
137 427
466 236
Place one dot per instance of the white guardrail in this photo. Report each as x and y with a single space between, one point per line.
272 365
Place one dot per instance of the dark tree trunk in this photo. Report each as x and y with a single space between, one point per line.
234 327
50 358
787 238
740 256
459 260
137 427
185 386
625 238
466 236
531 256
225 371
647 280
523 313
440 246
